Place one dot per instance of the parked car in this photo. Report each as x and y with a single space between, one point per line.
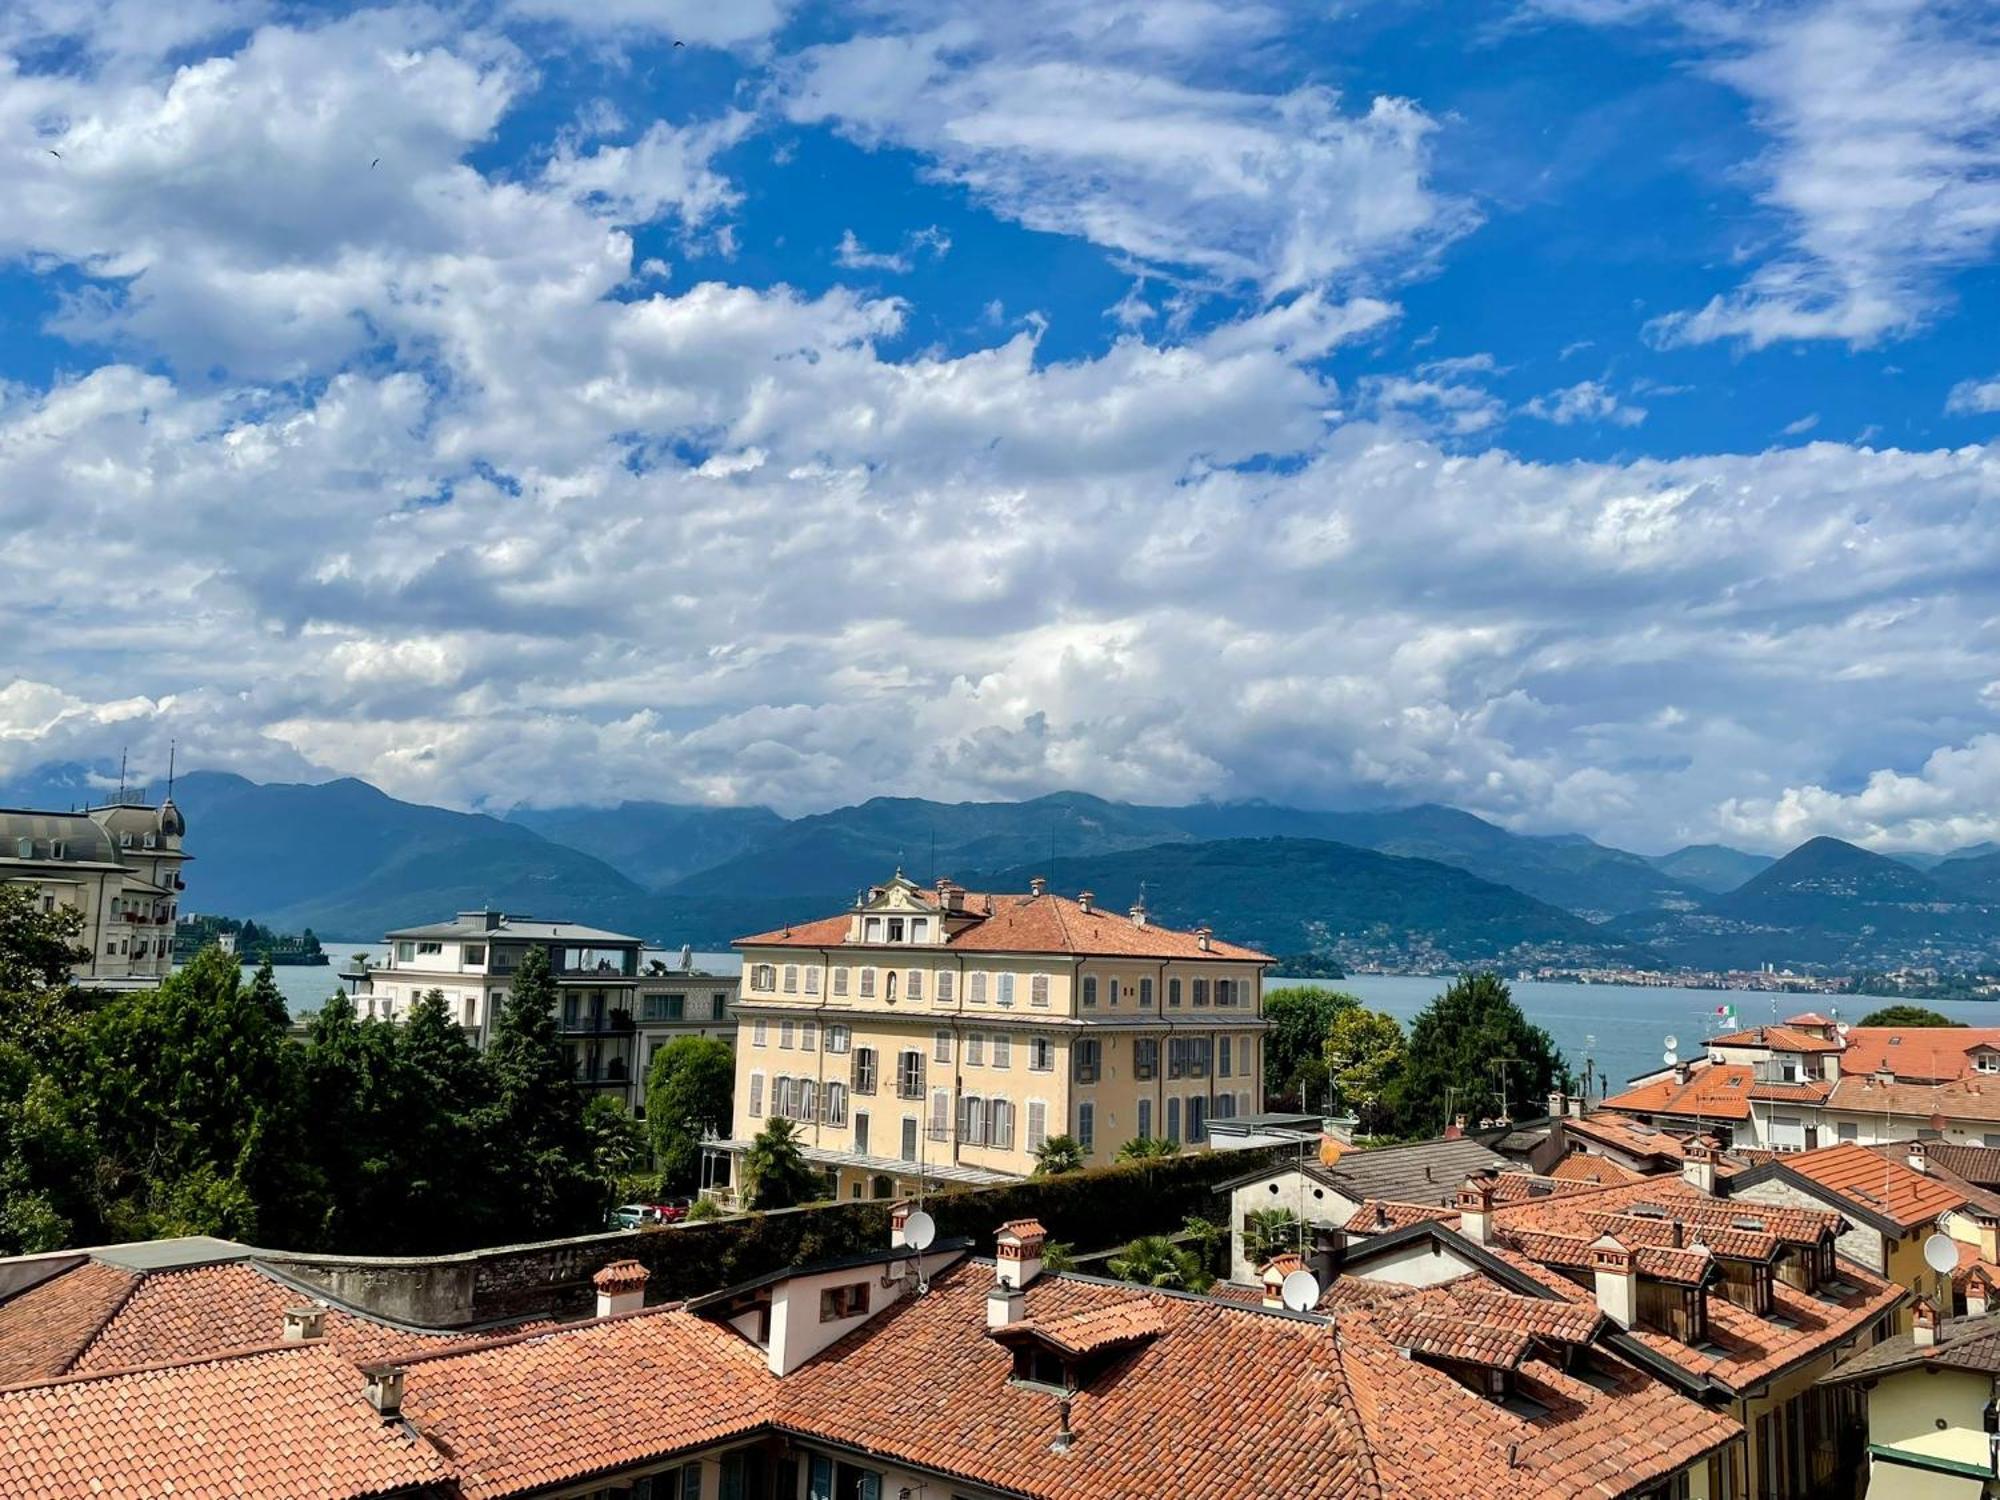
631 1216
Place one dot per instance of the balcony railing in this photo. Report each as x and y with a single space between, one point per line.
608 1023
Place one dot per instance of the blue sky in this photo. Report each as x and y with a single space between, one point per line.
1575 410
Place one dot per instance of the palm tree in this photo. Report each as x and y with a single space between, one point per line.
1147 1148
776 1173
1207 1239
1057 1155
1155 1260
1058 1255
1268 1231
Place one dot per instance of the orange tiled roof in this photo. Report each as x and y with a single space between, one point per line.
1597 1171
555 1407
1887 1186
1964 1099
1777 1038
1917 1052
1713 1091
286 1424
1582 1215
1021 923
1096 1328
45 1328
1808 1018
1379 1216
1517 1187
1447 1335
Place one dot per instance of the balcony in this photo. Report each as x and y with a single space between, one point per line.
598 1023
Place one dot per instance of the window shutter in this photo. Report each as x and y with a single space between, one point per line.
1038 1124
691 1482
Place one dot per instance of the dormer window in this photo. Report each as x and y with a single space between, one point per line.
871 930
1038 1366
895 929
920 929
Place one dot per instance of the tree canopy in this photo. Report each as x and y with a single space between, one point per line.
690 1094
776 1173
1470 1050
1907 1015
1364 1062
1057 1155
1299 1018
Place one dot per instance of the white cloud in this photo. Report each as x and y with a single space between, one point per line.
1081 121
1586 401
1801 426
711 23
1971 397
852 255
1945 804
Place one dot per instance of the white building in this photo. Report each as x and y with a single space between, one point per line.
120 867
616 1010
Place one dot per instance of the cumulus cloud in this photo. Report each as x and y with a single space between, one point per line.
1586 401
1947 803
1972 397
851 255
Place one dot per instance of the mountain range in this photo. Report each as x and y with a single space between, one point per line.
1418 887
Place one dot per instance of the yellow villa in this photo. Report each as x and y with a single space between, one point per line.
946 1034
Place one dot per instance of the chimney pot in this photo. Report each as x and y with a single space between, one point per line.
621 1288
1138 914
1923 1323
1202 936
899 1219
1017 1253
1038 885
1617 1286
1919 1157
384 1390
1084 898
303 1324
1978 1294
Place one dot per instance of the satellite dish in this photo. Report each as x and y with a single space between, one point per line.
1670 1057
1941 1253
1672 1041
1300 1291
1843 1028
919 1230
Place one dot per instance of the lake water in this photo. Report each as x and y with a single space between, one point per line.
1621 1029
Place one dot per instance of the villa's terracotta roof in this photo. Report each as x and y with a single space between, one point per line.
1713 1091
1963 1099
1451 1335
45 1328
1916 1052
1021 923
1597 1171
1887 1186
1776 1038
286 1424
1097 1328
1379 1215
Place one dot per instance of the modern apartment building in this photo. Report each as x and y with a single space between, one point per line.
617 1009
944 1033
119 865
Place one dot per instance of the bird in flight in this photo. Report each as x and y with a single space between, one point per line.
55 153
374 164
680 44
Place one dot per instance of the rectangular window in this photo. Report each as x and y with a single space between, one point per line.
812 981
909 1143
763 978
1038 1124
910 1075
1085 1058
920 929
840 981
1174 993
1003 1050
718 1006
808 1099
430 950
1197 1126
867 983
406 953
1145 1059
864 1070
787 1034
941 1046
916 990
1041 1055
808 1036
475 953
1090 989
1145 994
1201 992
1176 1056
836 1104
1173 1119
1038 991
838 1038
975 1050
760 1032
895 929
1222 1058
1114 991
940 1129
972 1120
978 977
1000 1124
1224 992
837 1302
871 930
1006 989
756 1096
791 979
1086 1125
945 995
1146 1117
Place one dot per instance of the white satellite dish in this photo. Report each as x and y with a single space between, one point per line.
1300 1291
1670 1057
1941 1253
1843 1028
919 1230
1672 1041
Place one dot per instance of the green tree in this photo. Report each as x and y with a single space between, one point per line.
1057 1155
198 1094
357 1096
690 1092
1466 1047
776 1173
535 1122
37 947
1208 1240
1299 1017
702 1210
617 1142
1364 1060
1148 1148
1058 1255
1907 1015
1155 1260
48 1145
1266 1231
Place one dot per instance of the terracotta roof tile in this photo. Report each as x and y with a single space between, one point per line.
1379 1216
45 1328
1599 1171
286 1424
1776 1038
1915 1052
1445 1335
1975 1098
1889 1187
1093 1328
1021 923
1713 1091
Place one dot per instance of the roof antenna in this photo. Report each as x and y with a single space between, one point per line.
121 775
172 745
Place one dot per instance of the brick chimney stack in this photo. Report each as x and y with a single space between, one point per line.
1698 1165
1617 1282
1017 1261
1978 1293
1475 1207
621 1288
1281 1266
1924 1323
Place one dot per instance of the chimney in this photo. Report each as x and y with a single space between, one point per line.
1475 1207
303 1324
1989 1237
1558 1103
1038 885
1978 1293
1138 914
1576 1103
384 1389
1885 1074
1923 1323
1919 1158
1698 1165
1681 1072
899 1220
1084 898
621 1288
1617 1284
1018 1252
1281 1266
1455 1129
493 919
1202 935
